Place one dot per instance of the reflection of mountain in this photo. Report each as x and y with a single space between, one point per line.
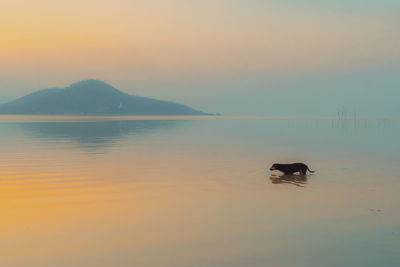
95 134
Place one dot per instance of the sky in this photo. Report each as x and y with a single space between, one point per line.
236 57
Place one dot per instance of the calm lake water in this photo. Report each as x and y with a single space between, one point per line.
152 191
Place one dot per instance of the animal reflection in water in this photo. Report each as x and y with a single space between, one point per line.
297 180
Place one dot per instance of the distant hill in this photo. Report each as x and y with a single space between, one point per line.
92 97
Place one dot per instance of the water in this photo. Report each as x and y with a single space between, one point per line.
152 191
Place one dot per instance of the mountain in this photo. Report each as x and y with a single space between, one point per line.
92 97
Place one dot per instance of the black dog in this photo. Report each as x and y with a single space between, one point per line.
288 169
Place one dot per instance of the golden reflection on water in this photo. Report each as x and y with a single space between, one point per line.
166 199
122 214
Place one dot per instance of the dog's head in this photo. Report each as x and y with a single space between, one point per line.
273 167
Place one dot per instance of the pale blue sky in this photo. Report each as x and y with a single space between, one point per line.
231 56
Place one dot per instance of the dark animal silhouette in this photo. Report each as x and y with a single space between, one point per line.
289 169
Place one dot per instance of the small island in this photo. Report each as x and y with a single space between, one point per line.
92 97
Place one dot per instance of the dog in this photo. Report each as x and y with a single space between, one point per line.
289 169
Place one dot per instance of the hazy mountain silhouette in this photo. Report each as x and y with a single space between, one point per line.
92 97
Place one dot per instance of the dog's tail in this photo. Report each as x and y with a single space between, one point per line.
310 170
